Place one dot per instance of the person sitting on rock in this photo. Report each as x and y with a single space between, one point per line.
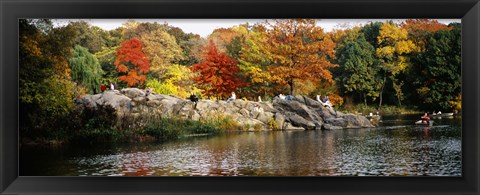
194 99
103 88
289 97
148 91
282 97
232 98
325 102
257 108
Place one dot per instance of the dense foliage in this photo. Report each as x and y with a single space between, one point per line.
416 64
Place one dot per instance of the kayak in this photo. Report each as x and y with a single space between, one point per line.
430 123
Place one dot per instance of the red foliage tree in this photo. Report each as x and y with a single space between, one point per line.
217 73
132 62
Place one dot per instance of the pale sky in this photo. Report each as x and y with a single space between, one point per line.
204 27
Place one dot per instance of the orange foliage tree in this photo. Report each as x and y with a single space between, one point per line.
420 30
299 51
132 62
217 73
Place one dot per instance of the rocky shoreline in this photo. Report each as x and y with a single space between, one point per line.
301 113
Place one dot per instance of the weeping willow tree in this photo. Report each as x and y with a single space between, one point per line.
86 70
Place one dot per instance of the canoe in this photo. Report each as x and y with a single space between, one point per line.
430 123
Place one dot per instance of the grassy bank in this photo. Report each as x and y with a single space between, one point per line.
386 110
102 125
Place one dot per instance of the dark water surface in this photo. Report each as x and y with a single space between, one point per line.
397 148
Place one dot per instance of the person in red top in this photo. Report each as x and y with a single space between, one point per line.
425 118
103 88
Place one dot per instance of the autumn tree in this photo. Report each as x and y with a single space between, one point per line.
177 81
88 36
134 29
162 50
190 44
420 30
85 69
46 89
254 61
394 47
132 63
299 51
223 37
217 73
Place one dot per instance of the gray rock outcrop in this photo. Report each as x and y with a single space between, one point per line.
301 113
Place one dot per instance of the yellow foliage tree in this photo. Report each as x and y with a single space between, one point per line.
162 49
177 82
394 44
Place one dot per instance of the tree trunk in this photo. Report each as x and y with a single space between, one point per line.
365 99
291 86
381 92
399 101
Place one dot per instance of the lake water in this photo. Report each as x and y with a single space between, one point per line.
396 148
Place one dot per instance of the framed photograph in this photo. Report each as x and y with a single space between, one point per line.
246 97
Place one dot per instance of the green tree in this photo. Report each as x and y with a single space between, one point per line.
107 58
357 69
86 70
439 70
46 90
371 32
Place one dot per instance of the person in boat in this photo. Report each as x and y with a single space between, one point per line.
425 118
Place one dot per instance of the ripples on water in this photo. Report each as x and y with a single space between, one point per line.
394 150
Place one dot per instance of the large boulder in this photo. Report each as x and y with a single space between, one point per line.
356 121
331 127
299 121
299 113
121 104
133 92
350 121
306 113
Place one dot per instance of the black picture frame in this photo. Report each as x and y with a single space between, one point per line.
11 11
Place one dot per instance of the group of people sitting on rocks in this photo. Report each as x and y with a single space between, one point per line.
285 97
104 87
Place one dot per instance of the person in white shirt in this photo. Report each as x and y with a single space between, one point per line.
232 98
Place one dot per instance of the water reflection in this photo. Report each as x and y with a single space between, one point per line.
396 150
